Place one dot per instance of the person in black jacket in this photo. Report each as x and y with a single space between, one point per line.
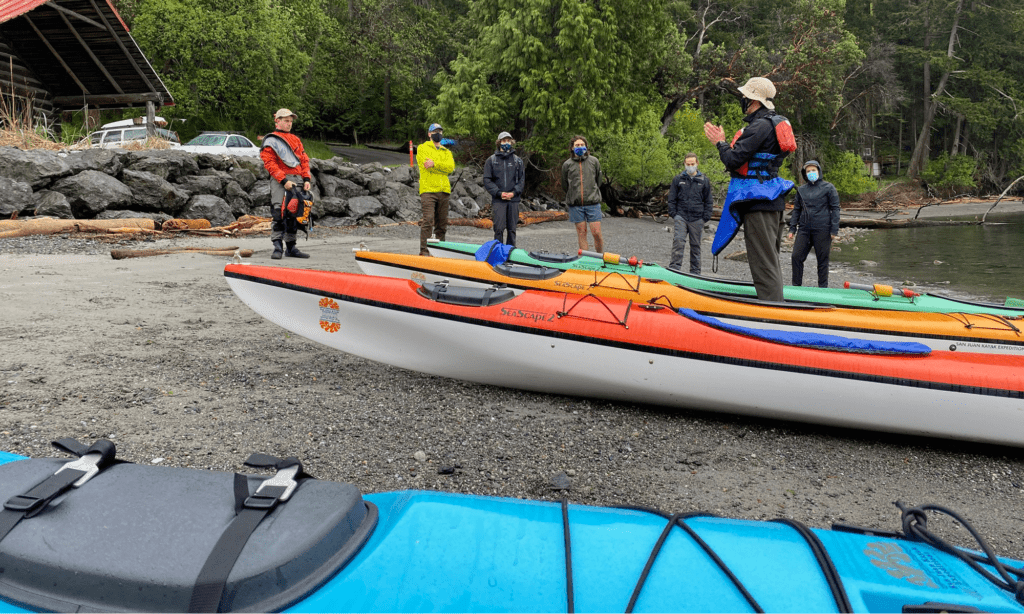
504 180
689 204
756 196
814 221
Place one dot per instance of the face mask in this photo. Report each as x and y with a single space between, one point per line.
579 151
745 104
506 147
812 176
436 137
691 169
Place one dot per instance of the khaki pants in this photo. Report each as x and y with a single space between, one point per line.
435 215
762 235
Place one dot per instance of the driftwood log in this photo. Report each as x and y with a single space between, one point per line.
227 252
525 218
24 228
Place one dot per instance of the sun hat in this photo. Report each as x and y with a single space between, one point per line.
504 135
284 113
434 127
760 89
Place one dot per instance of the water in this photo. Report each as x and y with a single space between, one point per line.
984 261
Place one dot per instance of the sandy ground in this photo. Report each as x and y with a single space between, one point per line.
158 355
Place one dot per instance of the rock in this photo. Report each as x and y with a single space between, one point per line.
348 189
212 208
363 206
740 256
91 192
151 193
331 221
369 169
97 159
868 263
15 197
48 202
401 174
166 163
420 456
253 165
375 182
202 184
244 177
260 193
332 206
238 199
126 214
376 220
218 162
37 167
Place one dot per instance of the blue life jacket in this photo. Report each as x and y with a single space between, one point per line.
741 190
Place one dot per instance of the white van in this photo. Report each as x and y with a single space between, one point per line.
125 131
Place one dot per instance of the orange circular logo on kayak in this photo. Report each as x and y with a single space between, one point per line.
329 320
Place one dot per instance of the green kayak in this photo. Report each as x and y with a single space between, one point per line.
857 296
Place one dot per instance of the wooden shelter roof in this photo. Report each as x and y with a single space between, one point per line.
67 54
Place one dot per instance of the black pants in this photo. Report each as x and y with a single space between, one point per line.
505 215
822 242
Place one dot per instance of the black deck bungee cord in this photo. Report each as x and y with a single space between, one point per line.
835 581
568 556
915 526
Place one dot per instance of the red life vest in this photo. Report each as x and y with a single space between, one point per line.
783 134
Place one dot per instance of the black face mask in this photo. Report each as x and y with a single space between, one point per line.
745 104
436 137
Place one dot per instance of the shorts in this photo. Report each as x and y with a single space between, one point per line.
585 213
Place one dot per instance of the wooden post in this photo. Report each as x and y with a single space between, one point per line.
150 119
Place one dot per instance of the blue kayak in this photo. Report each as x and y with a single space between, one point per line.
143 538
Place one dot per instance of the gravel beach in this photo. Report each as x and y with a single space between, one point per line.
159 356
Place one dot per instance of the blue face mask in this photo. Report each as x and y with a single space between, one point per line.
812 176
579 151
506 147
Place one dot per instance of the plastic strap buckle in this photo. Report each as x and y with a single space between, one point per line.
284 479
89 463
24 503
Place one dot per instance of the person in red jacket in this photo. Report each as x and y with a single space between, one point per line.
285 159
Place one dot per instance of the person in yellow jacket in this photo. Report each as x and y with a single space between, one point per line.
435 162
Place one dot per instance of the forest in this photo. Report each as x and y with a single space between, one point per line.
926 89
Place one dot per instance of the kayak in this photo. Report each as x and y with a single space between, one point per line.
968 332
613 349
112 543
843 297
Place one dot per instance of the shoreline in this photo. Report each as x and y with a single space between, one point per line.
158 355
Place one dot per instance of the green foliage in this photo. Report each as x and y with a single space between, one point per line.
845 170
951 173
553 68
685 135
639 156
235 61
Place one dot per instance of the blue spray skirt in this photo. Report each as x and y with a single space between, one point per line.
432 551
741 191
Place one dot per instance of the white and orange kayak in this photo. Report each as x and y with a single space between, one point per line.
613 349
961 332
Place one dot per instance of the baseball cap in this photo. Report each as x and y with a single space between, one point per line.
434 127
284 113
504 135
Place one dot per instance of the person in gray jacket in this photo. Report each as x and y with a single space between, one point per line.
689 205
504 180
581 178
815 221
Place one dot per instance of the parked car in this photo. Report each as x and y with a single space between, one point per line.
230 143
120 137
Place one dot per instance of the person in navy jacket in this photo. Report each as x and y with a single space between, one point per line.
689 205
814 221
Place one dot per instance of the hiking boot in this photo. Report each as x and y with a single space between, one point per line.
424 252
278 251
293 252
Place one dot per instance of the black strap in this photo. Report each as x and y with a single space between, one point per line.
209 588
35 500
828 568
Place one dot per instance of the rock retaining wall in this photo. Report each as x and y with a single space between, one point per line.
164 183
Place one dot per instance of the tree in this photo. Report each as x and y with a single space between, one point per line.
551 68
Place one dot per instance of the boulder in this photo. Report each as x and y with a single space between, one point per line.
212 208
363 206
260 193
219 162
97 159
347 172
329 185
167 163
331 221
125 214
375 182
402 174
15 197
347 189
151 193
245 177
332 206
202 184
37 167
238 199
372 167
53 204
91 192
